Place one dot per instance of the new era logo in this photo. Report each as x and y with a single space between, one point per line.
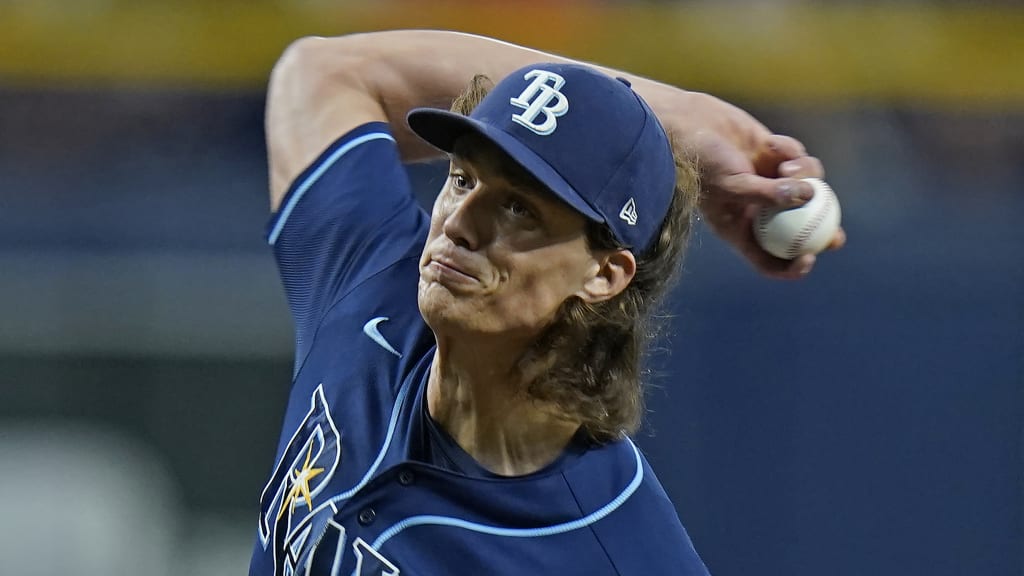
628 212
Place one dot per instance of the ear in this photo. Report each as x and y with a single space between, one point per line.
614 271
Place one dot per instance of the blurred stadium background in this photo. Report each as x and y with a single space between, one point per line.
867 420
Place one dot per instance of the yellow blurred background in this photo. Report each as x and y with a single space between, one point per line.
948 54
866 420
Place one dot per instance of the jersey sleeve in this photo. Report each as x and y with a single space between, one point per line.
349 215
646 536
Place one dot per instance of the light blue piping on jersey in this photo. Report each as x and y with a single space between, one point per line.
521 532
399 401
315 175
392 424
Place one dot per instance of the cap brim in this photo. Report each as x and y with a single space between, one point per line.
441 129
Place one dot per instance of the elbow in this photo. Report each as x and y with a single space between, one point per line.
301 63
314 63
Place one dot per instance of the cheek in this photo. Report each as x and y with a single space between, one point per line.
443 204
437 215
538 292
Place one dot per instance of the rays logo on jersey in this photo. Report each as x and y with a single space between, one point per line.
303 471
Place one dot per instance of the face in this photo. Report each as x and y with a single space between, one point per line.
503 253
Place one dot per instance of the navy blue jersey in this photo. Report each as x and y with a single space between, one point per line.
365 483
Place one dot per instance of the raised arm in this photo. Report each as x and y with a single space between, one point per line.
323 87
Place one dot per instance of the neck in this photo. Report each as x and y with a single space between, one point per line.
476 393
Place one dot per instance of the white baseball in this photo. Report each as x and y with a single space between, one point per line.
797 231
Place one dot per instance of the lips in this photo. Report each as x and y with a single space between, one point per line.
451 267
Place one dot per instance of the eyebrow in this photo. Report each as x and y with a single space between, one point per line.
509 170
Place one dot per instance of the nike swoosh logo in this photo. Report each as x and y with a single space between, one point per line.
371 330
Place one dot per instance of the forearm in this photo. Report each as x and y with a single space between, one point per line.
323 87
405 69
415 68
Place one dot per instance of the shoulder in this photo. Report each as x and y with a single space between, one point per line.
348 217
361 166
641 532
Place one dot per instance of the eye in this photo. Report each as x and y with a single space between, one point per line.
518 208
460 181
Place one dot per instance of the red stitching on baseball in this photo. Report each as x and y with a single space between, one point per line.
798 241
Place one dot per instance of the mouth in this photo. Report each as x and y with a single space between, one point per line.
446 271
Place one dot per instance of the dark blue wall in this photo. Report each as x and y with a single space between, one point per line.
864 421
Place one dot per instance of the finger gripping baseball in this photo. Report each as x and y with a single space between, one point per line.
808 229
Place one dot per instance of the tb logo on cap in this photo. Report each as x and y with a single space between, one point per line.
541 97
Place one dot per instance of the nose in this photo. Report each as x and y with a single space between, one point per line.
464 219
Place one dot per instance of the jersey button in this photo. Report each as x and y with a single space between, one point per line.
367 516
406 477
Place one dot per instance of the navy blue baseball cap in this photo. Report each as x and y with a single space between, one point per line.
587 136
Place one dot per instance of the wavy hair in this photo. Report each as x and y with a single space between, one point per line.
588 362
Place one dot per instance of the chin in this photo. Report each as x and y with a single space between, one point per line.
450 315
439 307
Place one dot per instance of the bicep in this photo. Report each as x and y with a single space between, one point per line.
314 96
324 87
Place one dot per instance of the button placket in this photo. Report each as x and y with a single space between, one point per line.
367 516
